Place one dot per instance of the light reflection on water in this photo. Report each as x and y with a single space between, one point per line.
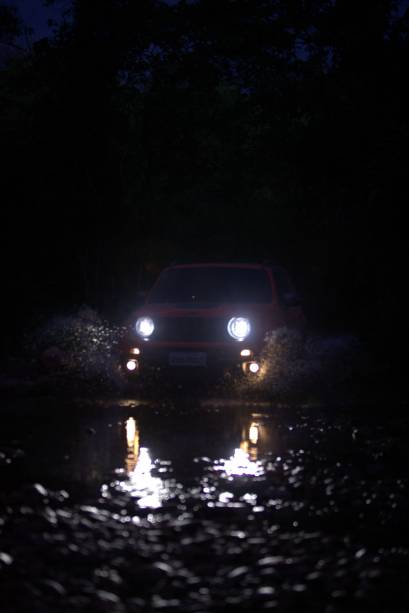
132 441
147 480
253 433
251 438
149 490
240 464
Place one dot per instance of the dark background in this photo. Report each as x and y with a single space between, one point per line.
137 133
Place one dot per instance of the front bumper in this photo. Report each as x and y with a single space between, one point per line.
190 358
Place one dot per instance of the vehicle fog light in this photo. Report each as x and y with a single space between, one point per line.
245 353
135 351
131 365
254 367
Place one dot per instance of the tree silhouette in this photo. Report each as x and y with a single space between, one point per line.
142 132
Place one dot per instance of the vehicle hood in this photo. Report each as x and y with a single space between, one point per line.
203 310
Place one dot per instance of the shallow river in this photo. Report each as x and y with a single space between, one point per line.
208 505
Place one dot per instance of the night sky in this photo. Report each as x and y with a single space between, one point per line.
36 16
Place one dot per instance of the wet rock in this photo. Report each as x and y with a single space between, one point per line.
108 575
313 530
160 603
5 558
238 573
40 490
107 597
53 587
165 568
34 495
108 602
270 560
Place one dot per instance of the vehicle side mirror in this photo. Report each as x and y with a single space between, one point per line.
291 299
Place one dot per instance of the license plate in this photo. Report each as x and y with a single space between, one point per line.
187 358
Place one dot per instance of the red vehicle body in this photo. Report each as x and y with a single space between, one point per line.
191 307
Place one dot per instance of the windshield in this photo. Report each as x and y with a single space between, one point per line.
212 285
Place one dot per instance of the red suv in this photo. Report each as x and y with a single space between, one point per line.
211 316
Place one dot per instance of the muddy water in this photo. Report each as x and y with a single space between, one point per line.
202 506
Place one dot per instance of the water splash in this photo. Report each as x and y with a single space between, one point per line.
142 484
239 465
81 347
292 363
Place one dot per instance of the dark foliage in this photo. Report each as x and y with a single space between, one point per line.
142 132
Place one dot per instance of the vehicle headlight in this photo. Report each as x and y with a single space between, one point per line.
239 328
144 326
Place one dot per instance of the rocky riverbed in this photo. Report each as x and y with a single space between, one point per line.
202 505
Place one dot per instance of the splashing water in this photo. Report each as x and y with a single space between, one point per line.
292 363
84 349
80 346
239 464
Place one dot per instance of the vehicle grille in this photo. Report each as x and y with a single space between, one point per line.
191 329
